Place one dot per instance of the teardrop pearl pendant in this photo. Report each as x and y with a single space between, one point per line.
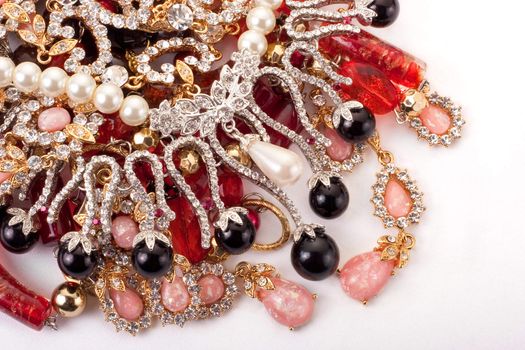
280 165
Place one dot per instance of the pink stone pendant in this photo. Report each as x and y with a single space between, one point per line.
365 275
288 303
397 199
440 122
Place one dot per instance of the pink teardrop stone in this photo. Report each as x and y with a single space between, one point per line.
53 119
397 199
289 303
175 296
365 275
436 119
127 303
124 229
212 289
4 177
339 150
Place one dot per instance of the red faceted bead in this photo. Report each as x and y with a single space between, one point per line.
399 66
21 303
370 86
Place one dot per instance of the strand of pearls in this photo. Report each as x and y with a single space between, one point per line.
80 88
260 21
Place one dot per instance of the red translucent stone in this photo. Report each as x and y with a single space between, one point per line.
231 188
113 127
370 86
21 303
109 5
155 94
185 229
186 232
254 217
278 106
399 66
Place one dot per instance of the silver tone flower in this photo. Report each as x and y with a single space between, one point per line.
20 216
305 229
150 237
74 238
230 214
323 177
344 111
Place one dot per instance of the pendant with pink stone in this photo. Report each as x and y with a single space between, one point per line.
288 303
128 303
365 275
53 119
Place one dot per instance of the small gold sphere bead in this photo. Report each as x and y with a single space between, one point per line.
235 151
189 161
145 139
414 103
69 300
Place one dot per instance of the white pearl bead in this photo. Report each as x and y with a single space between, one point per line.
80 87
6 71
134 110
253 41
52 82
25 76
280 165
273 4
108 98
261 19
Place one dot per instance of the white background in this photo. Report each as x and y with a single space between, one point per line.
464 287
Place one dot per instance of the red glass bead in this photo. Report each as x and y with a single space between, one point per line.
370 86
399 66
21 303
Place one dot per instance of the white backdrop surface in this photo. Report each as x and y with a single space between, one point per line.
464 287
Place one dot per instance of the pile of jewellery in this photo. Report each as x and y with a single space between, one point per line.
126 127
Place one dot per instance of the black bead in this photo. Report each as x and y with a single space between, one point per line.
77 263
387 12
360 128
331 201
236 239
152 263
13 239
315 258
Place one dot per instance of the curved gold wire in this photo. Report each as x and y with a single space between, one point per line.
262 205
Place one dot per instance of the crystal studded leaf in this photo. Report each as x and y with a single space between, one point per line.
15 153
79 132
28 36
185 72
39 25
218 91
187 106
203 101
63 46
15 12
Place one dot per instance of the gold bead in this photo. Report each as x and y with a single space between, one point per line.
144 139
274 53
235 151
69 300
414 103
189 161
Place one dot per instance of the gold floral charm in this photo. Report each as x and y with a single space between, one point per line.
396 247
256 276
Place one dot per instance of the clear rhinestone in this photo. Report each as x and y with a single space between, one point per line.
180 17
117 75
